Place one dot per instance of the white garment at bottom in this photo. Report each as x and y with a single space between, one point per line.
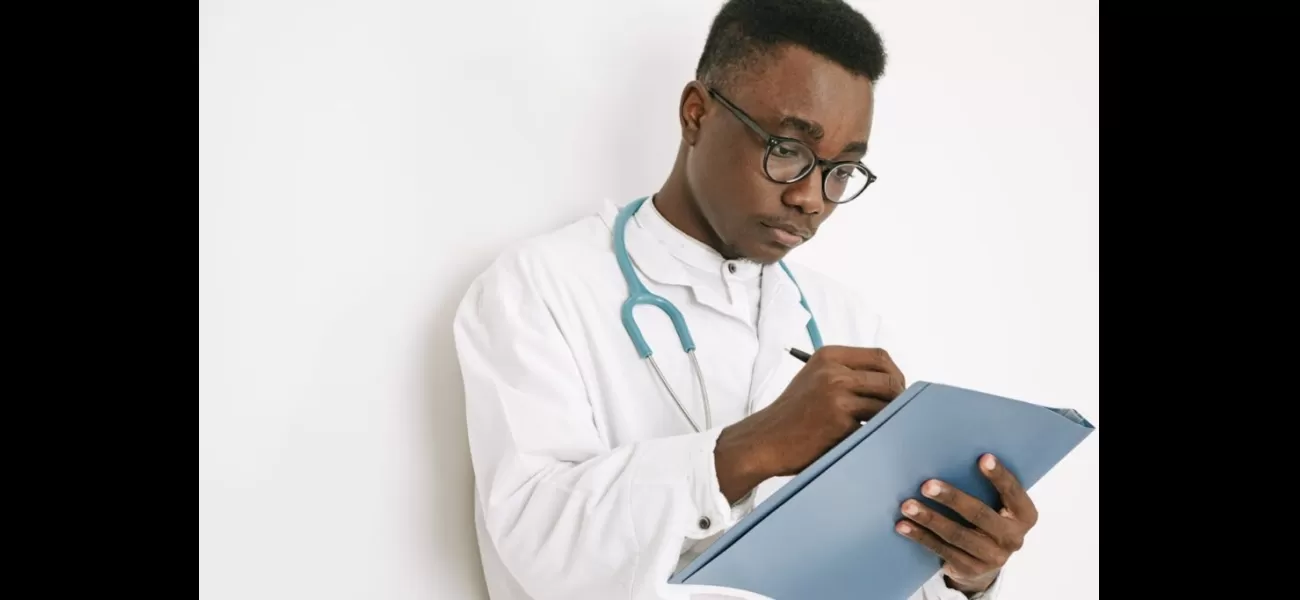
589 483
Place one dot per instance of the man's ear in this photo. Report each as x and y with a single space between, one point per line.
694 105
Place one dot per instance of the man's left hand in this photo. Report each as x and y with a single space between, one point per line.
972 557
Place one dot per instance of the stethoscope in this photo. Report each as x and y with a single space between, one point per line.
638 294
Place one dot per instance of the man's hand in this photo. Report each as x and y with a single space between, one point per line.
838 389
972 557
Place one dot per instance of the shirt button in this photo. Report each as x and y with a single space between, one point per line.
731 267
704 523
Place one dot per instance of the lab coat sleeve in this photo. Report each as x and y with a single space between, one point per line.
937 589
570 516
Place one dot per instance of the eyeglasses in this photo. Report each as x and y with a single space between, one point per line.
787 160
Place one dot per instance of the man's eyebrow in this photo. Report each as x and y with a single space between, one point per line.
810 128
814 130
854 148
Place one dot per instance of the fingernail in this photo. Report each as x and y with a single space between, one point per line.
932 489
989 462
904 528
910 509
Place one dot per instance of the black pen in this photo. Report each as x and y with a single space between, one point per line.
799 354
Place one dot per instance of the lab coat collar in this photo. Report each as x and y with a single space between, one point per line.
693 252
782 318
649 256
655 260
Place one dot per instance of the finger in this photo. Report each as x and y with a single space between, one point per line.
959 559
1016 502
984 518
861 359
861 408
973 542
875 384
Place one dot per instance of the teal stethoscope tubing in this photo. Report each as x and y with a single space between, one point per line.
638 295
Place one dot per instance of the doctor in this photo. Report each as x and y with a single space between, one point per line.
628 390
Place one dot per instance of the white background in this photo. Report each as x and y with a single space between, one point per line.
360 162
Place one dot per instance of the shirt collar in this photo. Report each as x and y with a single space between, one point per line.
689 250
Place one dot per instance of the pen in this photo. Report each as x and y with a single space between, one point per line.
799 354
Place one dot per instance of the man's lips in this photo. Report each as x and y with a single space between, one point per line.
788 235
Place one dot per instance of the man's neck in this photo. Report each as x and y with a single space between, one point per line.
677 205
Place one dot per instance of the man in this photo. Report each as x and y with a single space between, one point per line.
599 472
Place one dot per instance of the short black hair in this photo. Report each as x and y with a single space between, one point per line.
746 31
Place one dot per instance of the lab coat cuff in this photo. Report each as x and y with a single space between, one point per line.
685 463
713 513
994 590
989 594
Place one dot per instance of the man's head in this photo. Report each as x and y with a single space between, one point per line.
800 69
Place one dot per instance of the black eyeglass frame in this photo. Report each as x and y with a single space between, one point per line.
772 141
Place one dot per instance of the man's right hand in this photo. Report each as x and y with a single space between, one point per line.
838 389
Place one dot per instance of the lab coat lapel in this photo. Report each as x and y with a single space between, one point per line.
782 324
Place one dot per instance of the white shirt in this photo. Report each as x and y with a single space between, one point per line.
589 482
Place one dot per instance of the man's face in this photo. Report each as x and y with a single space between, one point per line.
798 95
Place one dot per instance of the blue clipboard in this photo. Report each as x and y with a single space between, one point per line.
829 532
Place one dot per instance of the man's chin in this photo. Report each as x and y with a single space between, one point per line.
765 253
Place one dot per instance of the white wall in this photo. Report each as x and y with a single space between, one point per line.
360 161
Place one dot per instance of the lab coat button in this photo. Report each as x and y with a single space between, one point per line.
704 523
731 267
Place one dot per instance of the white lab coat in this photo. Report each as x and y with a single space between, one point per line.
589 483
